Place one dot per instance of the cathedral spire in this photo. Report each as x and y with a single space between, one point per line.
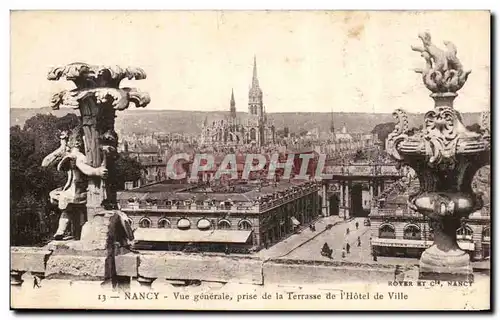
255 80
332 124
255 104
232 105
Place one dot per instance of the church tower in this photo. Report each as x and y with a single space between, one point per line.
232 109
332 127
255 105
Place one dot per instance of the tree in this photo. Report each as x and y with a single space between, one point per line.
127 169
414 130
475 127
382 130
303 133
280 133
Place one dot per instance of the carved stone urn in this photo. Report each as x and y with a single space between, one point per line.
445 156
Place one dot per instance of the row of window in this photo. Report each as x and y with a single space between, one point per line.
226 204
413 232
202 224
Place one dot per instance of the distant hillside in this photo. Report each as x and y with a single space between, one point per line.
178 121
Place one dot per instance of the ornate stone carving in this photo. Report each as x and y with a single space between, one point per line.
443 72
91 76
485 124
398 134
445 157
90 163
98 97
70 158
119 99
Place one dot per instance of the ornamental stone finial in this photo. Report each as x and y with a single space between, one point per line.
89 196
445 156
443 72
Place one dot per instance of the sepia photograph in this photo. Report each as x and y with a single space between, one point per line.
250 160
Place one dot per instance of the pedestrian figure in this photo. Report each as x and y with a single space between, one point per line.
357 225
347 231
35 282
359 241
227 250
326 251
343 253
267 245
347 247
374 258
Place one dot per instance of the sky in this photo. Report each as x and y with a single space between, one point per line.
307 61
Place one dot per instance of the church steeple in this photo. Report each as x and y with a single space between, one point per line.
255 105
255 80
232 105
332 124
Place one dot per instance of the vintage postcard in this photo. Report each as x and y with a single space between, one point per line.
250 160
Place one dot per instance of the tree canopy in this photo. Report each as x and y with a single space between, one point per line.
382 130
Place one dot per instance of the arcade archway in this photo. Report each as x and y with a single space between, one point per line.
334 203
358 208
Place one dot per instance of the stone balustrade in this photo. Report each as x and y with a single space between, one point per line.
147 267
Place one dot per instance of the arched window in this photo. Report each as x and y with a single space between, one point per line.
203 224
387 231
486 234
145 223
464 233
183 223
244 225
412 232
224 224
164 223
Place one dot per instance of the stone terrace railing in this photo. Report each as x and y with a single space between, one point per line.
146 267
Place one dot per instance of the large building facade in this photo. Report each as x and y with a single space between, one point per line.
233 130
397 230
241 218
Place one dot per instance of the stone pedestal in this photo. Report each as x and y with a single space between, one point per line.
436 264
94 256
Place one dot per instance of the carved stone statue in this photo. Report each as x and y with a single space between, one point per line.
443 71
92 177
70 158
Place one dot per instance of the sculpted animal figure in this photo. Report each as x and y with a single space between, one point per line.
443 71
439 57
451 57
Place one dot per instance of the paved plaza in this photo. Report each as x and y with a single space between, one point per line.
307 244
